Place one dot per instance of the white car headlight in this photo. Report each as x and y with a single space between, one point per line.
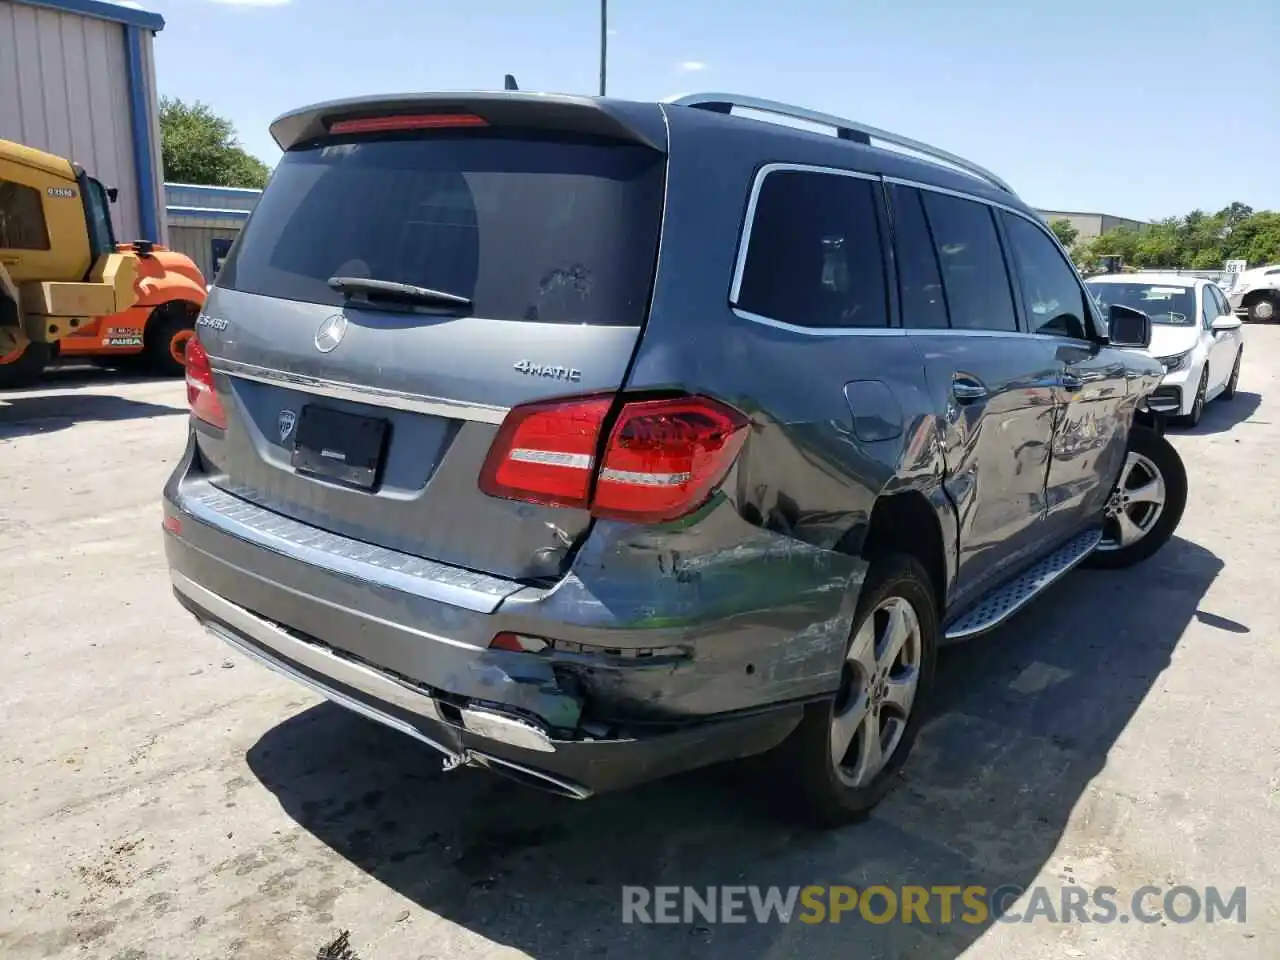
1176 362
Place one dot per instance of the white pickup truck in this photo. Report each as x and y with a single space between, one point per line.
1256 293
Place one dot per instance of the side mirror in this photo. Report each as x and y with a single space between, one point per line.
1128 327
1225 322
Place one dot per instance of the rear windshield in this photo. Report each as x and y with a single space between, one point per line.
534 229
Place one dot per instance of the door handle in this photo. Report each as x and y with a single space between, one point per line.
967 389
1070 382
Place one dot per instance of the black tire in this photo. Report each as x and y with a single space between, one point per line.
168 322
1192 419
27 369
802 768
1229 391
1260 305
1159 452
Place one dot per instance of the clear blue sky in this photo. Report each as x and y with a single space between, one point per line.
1141 108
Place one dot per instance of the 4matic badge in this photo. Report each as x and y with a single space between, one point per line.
529 368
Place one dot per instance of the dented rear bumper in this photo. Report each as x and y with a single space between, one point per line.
667 650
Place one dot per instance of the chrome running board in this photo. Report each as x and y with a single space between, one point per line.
998 605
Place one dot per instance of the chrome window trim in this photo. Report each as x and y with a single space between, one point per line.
357 393
744 244
817 331
963 195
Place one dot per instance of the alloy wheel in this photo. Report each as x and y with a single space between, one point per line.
1135 505
878 687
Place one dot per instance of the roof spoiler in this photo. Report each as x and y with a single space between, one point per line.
611 119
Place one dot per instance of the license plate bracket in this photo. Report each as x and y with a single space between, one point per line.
344 447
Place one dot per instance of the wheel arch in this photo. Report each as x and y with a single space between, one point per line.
174 307
1261 293
907 521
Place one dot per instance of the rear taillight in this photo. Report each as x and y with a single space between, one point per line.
545 452
663 457
201 397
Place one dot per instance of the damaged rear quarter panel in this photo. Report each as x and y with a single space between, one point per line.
755 617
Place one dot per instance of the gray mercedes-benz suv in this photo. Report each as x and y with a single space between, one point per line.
592 441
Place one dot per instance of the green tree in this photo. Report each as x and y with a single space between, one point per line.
198 146
1256 239
1064 231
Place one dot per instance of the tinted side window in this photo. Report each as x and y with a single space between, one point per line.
815 258
22 225
919 281
1208 308
1219 298
1051 295
973 269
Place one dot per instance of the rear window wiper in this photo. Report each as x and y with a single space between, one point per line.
398 292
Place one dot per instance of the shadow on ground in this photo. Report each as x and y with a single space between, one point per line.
1022 722
26 412
1221 415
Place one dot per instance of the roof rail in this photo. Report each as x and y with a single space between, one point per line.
845 129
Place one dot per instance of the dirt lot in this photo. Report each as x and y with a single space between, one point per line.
161 798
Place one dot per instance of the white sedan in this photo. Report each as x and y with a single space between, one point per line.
1194 333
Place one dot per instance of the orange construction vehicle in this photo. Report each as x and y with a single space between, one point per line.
67 288
171 290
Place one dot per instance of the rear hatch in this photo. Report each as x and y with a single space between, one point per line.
412 271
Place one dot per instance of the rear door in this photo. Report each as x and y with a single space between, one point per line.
367 410
995 384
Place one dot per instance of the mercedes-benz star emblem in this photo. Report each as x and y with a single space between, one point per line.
331 333
285 422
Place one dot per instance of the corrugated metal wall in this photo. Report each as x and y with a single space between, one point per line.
199 215
197 243
64 88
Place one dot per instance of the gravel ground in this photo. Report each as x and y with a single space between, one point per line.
163 798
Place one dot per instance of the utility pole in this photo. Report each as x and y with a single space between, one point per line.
604 41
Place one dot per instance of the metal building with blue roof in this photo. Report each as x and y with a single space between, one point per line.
77 79
205 221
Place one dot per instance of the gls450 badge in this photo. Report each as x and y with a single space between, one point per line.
532 369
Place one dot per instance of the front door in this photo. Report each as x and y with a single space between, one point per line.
996 385
1090 436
